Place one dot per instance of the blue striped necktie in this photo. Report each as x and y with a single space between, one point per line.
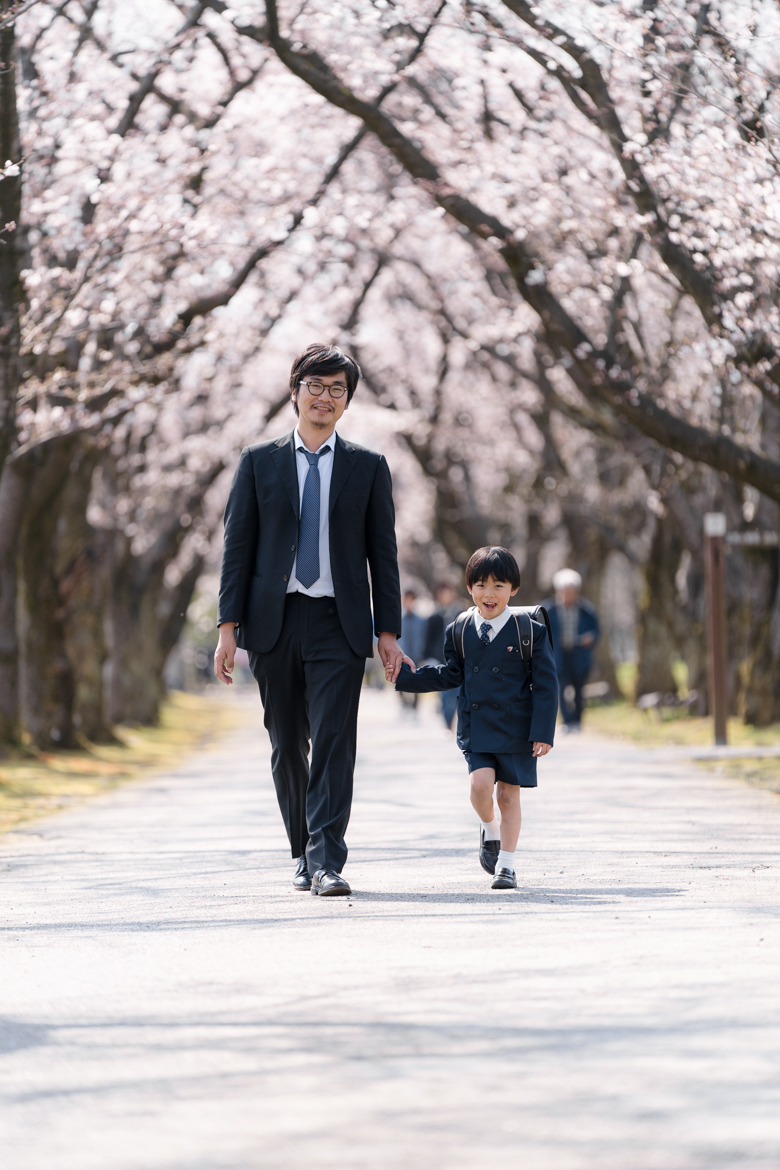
307 567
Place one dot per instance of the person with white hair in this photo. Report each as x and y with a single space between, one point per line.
575 630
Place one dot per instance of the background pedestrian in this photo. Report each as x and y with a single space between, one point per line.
414 629
575 629
448 606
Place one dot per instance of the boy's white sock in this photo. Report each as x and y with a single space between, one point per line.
506 860
491 829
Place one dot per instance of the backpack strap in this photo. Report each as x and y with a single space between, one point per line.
543 618
526 642
459 633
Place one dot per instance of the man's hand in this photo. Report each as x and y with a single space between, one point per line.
541 749
225 653
392 656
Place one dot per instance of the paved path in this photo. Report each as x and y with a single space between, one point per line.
170 1003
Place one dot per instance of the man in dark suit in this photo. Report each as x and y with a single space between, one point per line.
308 515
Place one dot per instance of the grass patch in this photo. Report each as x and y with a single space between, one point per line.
34 784
672 726
759 773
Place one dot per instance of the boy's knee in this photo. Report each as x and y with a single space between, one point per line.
481 783
507 794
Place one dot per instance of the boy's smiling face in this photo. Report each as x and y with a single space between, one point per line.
491 597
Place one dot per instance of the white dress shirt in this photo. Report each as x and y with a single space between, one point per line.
496 624
323 586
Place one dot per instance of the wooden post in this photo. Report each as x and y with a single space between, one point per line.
715 564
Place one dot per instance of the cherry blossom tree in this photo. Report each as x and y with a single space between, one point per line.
591 154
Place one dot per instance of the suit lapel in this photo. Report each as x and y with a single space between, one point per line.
344 460
283 456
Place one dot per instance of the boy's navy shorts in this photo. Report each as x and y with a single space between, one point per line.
510 769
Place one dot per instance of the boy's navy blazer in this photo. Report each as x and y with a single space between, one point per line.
261 537
497 712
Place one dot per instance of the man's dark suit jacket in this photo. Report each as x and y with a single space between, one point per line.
261 538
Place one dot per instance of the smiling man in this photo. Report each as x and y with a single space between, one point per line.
308 515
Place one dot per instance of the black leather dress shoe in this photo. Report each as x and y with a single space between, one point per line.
504 880
330 884
488 852
302 881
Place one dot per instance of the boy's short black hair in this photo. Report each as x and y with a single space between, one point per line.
324 359
492 561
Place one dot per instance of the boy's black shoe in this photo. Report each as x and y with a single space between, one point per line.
302 881
488 852
504 880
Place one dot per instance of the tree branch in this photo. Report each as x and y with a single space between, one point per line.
594 373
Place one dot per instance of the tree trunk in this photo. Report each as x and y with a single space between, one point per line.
10 208
656 644
146 615
759 679
80 586
590 550
47 678
13 487
146 621
531 590
758 699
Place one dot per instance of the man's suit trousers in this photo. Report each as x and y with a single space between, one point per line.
310 687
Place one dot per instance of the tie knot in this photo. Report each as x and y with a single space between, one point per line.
313 457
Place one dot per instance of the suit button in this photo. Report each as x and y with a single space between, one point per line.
476 670
292 548
495 670
285 578
475 706
495 706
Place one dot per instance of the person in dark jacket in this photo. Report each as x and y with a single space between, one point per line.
504 724
413 638
448 606
575 630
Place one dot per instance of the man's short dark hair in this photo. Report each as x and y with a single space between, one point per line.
492 561
324 359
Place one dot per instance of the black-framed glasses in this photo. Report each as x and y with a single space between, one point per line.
316 388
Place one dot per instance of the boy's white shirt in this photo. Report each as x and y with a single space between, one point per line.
496 624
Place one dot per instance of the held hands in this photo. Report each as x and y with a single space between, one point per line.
392 656
541 749
225 653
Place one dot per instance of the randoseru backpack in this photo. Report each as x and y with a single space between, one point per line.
528 613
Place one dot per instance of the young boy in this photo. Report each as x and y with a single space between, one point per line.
504 725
